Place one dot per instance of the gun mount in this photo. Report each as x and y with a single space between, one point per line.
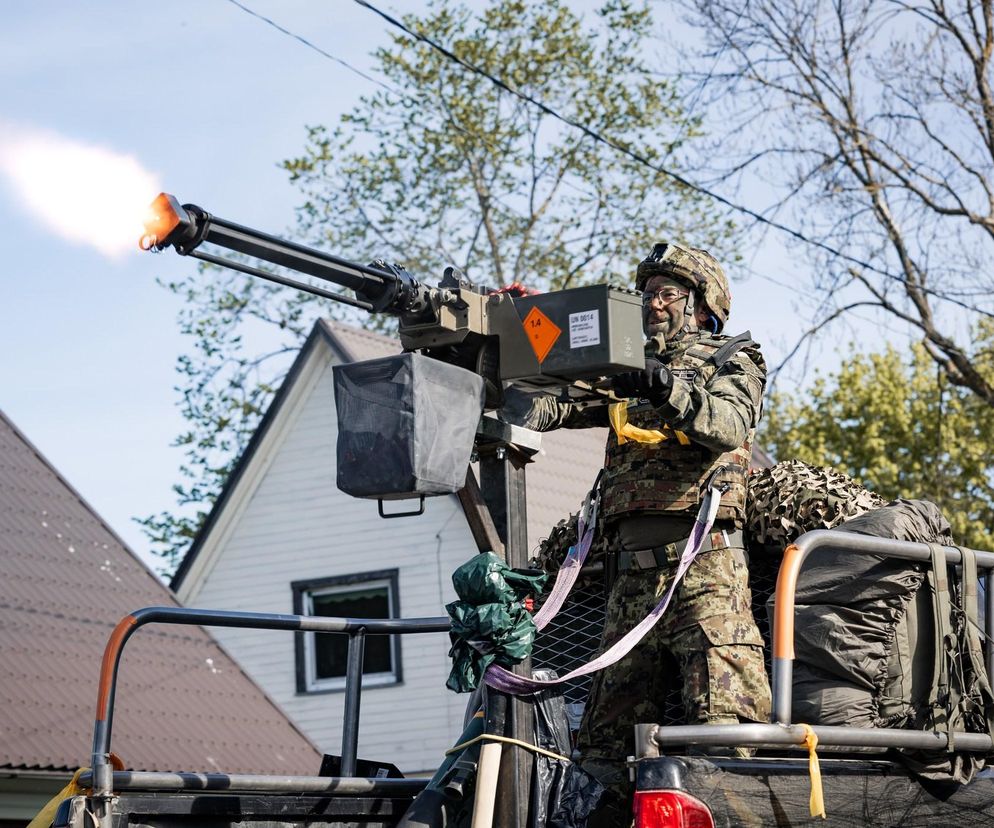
567 338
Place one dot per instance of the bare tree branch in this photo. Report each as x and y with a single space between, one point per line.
876 104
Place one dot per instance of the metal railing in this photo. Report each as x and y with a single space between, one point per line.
356 628
782 732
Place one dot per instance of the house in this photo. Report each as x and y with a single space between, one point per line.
283 538
182 703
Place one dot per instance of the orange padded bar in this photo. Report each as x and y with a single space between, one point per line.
111 654
783 622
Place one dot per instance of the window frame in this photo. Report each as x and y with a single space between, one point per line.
304 650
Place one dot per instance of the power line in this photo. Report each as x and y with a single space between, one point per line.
420 102
596 136
447 117
309 45
589 132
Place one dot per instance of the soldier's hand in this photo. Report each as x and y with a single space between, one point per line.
521 408
652 383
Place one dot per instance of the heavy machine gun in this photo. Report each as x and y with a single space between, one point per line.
559 342
562 339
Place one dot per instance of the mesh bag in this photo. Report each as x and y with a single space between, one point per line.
406 426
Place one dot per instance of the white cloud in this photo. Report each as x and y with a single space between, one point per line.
83 193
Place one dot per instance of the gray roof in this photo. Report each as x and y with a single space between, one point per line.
182 703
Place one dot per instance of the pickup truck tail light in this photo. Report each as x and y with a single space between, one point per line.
670 809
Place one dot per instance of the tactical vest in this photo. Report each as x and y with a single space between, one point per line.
667 476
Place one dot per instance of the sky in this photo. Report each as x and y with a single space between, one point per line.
200 99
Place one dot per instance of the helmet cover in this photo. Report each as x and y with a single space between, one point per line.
695 268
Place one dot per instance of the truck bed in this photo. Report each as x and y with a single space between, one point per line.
858 792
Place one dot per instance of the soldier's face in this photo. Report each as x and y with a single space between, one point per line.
663 311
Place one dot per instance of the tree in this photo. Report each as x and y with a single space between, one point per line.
874 122
898 425
441 166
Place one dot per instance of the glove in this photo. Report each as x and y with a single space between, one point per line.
521 408
652 383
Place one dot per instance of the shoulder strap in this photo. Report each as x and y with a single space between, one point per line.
974 645
942 608
730 349
968 564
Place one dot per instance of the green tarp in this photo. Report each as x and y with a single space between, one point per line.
489 621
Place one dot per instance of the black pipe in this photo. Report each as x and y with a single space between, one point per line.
218 618
353 694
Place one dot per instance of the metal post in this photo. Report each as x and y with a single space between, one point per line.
353 693
502 482
989 622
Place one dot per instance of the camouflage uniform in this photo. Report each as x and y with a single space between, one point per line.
708 638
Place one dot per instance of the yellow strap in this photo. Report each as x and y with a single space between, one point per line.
46 816
817 801
618 415
490 737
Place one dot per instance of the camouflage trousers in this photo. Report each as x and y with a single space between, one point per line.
707 643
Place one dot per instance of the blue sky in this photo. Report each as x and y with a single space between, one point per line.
207 100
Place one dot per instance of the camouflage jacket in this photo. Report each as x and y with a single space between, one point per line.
717 408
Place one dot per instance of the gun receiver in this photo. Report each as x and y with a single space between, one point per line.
560 339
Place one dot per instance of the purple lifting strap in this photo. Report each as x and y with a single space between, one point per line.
569 571
501 679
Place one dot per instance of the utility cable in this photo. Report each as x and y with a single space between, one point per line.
310 45
595 136
677 177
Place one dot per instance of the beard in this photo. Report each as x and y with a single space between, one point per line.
667 326
671 326
651 329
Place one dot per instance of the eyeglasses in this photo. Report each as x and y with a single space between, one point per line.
666 295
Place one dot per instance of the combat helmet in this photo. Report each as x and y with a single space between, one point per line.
696 268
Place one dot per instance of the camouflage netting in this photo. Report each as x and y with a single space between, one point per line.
793 497
552 550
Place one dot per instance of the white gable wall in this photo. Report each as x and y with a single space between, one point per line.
286 521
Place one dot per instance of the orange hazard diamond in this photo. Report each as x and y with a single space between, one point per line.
542 332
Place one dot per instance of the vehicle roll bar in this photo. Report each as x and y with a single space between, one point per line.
356 628
649 738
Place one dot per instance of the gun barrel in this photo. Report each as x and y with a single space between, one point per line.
186 227
363 279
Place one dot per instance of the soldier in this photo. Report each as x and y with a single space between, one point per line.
704 392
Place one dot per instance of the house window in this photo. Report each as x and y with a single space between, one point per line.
322 658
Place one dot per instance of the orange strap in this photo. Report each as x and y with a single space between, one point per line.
46 816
